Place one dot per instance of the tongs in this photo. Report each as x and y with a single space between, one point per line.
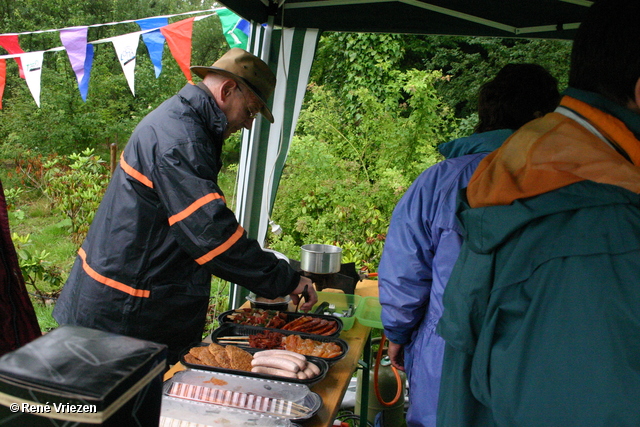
305 295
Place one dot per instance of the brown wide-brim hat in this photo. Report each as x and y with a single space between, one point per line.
248 69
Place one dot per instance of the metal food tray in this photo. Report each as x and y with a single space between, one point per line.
233 329
224 318
318 361
264 396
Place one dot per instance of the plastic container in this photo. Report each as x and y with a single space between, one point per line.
278 304
234 330
342 303
268 397
368 312
176 411
288 317
319 362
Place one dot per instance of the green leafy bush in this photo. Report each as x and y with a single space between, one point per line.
75 186
37 269
345 173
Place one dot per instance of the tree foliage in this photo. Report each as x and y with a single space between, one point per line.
345 175
64 123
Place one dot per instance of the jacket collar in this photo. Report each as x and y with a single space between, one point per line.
204 104
484 142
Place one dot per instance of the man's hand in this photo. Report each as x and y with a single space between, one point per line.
396 355
311 290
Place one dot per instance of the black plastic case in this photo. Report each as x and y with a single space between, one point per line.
112 379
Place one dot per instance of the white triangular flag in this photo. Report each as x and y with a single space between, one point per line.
126 47
32 65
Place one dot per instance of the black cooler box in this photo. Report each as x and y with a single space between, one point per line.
75 376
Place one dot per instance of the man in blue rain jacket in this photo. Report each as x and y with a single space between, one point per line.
424 239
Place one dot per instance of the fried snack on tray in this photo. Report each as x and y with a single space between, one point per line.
240 359
295 343
310 347
227 357
203 354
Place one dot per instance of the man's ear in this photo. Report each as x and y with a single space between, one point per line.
637 93
226 89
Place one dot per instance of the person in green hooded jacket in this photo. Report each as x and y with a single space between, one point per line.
542 312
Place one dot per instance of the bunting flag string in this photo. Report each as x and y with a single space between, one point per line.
154 31
133 21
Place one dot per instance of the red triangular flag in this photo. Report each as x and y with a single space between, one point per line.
178 37
3 78
10 43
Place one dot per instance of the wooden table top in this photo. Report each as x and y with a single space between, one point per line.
334 386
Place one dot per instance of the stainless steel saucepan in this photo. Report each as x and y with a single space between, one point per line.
320 259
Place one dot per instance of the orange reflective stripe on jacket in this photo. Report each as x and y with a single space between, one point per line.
134 173
194 206
110 282
223 247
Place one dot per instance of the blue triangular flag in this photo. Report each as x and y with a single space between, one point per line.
154 40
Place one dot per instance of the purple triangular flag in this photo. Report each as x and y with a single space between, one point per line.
75 42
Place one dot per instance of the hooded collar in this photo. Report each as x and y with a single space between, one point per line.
555 151
204 104
484 142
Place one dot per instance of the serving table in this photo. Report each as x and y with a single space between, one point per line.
334 385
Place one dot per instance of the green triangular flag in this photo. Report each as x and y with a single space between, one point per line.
235 29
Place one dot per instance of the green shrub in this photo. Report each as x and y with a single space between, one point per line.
75 187
345 172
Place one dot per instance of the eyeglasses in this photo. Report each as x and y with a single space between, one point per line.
252 114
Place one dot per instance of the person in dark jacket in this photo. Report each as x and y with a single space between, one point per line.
542 311
424 238
18 321
163 227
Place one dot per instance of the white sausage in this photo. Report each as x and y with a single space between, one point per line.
308 372
302 375
273 371
314 368
276 362
302 364
265 353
